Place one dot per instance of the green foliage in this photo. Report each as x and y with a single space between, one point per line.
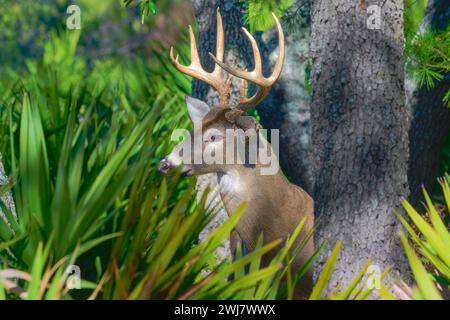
307 80
25 25
107 28
429 254
413 14
77 149
82 148
258 14
297 17
43 281
145 6
427 57
359 288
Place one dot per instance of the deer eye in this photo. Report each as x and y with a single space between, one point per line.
213 138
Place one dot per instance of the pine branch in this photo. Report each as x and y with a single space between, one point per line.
428 57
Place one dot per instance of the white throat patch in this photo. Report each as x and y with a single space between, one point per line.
229 182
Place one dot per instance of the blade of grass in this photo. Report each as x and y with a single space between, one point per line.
326 273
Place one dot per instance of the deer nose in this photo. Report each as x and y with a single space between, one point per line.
164 165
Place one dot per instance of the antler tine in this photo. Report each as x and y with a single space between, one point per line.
195 60
256 76
243 88
195 69
257 71
279 64
220 43
256 55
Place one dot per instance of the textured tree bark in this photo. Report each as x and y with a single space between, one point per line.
287 107
359 133
7 198
237 53
430 122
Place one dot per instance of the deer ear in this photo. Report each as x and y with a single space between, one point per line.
197 109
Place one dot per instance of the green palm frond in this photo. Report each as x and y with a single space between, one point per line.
88 192
360 288
429 256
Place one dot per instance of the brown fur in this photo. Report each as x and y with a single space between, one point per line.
275 206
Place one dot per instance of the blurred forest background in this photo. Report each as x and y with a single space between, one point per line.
109 29
85 116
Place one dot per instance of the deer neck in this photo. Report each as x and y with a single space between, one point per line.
247 184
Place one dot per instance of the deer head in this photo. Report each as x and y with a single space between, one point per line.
211 123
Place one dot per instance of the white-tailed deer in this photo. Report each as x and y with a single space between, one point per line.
275 206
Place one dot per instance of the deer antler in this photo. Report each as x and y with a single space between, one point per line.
256 76
195 69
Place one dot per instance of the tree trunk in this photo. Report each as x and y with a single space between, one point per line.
237 53
7 198
359 133
430 117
